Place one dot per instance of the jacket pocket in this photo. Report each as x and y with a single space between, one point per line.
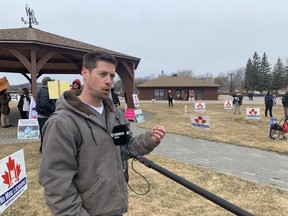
91 191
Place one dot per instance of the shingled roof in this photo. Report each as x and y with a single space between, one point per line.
177 81
28 35
32 53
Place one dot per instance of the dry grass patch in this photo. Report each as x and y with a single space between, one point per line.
169 198
225 126
166 197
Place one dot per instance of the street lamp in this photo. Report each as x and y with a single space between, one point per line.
231 84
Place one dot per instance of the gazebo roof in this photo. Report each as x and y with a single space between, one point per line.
30 51
67 50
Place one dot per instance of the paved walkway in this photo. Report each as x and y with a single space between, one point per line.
247 163
252 164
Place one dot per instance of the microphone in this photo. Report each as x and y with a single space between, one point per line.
121 136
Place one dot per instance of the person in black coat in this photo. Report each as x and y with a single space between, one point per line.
115 98
24 103
170 99
44 106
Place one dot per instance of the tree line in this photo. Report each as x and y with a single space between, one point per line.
261 77
258 75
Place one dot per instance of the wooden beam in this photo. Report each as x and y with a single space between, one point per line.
22 58
44 60
33 72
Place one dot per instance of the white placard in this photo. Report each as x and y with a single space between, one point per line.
253 113
28 129
13 179
199 121
139 116
228 105
200 107
135 100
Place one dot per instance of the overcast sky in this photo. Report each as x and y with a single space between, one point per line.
205 36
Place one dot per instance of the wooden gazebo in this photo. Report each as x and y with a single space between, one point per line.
30 51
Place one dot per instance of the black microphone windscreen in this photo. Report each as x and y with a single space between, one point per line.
121 134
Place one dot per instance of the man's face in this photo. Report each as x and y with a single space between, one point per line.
99 81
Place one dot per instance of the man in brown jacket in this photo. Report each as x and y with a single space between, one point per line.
81 168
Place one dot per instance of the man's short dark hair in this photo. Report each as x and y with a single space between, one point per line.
90 59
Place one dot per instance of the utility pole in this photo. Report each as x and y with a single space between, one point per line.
231 84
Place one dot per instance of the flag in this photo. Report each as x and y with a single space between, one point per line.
32 111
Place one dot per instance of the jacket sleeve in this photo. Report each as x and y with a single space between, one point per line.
141 144
58 168
20 103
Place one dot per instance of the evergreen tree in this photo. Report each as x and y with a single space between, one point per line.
278 76
264 75
248 81
256 71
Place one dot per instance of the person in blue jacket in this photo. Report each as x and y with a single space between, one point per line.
268 100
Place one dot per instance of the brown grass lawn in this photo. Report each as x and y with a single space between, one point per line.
167 197
225 126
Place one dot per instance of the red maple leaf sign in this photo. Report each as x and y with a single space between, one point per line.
228 104
199 105
200 120
252 112
12 173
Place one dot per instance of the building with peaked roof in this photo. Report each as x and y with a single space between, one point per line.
181 88
32 52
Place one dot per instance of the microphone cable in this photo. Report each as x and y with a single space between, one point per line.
148 184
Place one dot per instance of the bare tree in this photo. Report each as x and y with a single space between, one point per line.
222 79
185 73
207 77
238 79
141 80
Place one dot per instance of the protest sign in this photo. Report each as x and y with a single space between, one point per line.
135 100
139 116
200 107
28 129
253 113
4 83
130 114
200 121
14 179
56 88
228 105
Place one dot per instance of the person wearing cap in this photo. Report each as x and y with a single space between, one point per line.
44 106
